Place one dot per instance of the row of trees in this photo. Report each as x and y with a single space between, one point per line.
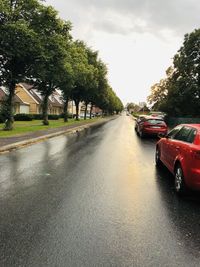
179 93
36 46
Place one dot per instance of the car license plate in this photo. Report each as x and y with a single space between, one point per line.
155 127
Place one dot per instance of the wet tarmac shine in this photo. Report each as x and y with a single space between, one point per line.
94 199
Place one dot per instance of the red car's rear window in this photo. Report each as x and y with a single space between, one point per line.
155 122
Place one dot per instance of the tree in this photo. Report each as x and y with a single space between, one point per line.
132 106
66 85
83 74
159 91
100 95
186 78
183 85
19 46
55 41
90 91
158 94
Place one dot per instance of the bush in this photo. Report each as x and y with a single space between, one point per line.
30 117
53 117
23 117
70 115
37 116
50 116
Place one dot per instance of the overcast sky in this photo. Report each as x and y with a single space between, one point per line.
136 38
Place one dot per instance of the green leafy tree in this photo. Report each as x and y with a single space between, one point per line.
66 85
55 41
183 85
19 46
83 74
89 94
132 106
100 95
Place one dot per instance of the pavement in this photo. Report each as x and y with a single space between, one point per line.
9 143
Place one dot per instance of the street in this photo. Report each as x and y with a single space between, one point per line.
94 199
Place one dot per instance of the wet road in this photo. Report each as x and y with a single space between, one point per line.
94 199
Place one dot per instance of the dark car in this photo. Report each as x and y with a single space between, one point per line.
138 120
148 125
179 151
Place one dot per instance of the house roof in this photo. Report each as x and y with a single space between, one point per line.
54 100
17 99
145 108
28 88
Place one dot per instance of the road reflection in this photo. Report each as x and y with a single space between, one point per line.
183 213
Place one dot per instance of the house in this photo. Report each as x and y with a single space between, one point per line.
82 109
19 105
144 110
31 95
23 91
97 111
29 100
72 107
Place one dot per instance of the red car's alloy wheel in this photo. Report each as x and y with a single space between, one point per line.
179 182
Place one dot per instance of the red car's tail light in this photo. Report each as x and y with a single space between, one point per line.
145 124
196 154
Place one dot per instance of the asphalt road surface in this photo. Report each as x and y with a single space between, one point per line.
94 199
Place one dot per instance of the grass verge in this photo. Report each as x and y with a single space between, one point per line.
24 127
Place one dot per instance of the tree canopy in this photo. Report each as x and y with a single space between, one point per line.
179 93
37 46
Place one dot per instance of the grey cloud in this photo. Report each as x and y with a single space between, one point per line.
178 16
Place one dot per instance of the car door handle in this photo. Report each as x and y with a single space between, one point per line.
177 147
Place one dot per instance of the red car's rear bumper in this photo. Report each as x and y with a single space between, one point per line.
154 131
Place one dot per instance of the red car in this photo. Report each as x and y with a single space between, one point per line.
148 125
179 151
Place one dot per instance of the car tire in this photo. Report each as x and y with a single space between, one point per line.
157 157
141 134
179 181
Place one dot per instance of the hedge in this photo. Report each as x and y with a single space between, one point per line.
30 117
23 117
70 115
173 121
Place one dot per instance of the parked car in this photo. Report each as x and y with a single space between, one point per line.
148 125
138 120
179 151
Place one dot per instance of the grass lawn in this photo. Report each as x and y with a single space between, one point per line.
23 127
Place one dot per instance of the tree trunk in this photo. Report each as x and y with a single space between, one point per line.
45 110
66 110
91 111
85 112
9 108
77 109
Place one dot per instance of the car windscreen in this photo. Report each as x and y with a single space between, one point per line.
155 122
